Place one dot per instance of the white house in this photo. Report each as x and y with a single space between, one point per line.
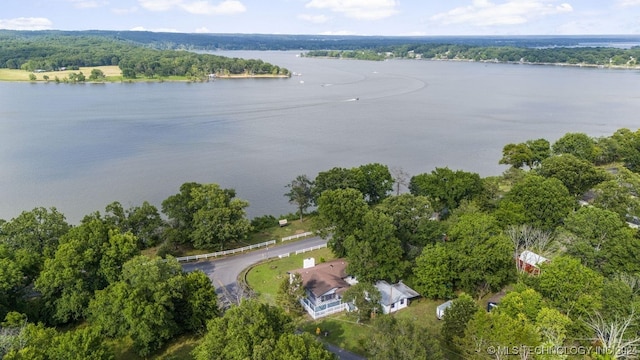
394 297
325 283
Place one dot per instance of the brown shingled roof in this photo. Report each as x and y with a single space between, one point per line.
324 277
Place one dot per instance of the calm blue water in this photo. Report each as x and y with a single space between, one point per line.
80 147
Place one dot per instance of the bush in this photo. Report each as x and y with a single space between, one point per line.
263 222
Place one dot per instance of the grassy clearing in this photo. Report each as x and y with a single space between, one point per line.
265 278
341 331
14 75
112 73
293 227
345 333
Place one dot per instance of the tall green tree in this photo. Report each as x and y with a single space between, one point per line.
37 231
602 240
435 272
483 254
488 332
628 146
334 179
179 210
577 175
289 294
142 221
300 193
374 182
299 347
12 284
401 339
340 213
247 331
578 144
457 316
219 217
537 201
446 188
152 302
197 304
88 257
411 216
366 299
373 251
571 287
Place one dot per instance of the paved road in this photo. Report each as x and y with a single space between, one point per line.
224 272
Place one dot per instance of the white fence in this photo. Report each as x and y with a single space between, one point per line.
225 252
297 236
311 248
284 255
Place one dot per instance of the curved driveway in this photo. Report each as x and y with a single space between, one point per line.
224 273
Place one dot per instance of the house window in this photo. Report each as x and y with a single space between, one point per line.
393 305
401 301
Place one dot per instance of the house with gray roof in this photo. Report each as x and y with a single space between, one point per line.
394 297
325 283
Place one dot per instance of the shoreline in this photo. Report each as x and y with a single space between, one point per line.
493 61
113 75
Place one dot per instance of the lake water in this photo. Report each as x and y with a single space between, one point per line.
80 147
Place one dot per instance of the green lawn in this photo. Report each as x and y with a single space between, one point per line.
345 333
293 227
266 277
342 331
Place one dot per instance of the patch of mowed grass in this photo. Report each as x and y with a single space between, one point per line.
14 75
341 331
422 312
266 277
112 73
277 232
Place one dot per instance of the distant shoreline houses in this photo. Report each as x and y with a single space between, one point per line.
325 283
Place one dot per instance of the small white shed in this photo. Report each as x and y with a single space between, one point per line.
441 308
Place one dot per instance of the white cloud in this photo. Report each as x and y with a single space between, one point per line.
339 32
199 7
358 9
511 12
142 28
202 30
88 4
316 19
123 11
627 3
26 23
159 5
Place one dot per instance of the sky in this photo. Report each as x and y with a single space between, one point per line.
330 17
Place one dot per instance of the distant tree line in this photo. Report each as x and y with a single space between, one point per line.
185 41
52 52
603 56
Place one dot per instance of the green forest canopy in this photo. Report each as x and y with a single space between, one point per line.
51 52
